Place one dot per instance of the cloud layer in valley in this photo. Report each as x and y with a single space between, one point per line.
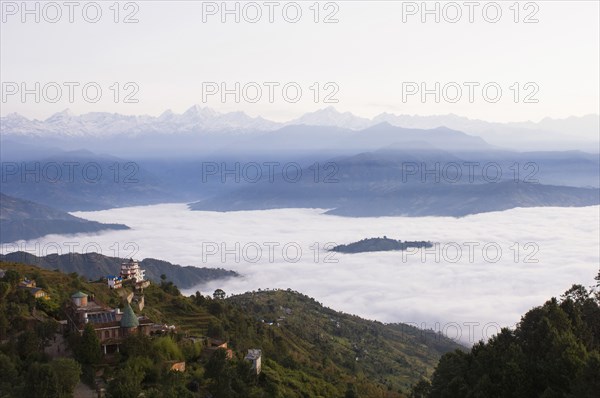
463 282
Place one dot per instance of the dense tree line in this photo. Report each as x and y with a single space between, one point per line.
380 244
554 352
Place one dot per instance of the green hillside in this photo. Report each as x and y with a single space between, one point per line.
95 266
308 350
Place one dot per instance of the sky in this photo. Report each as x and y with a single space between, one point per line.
367 62
519 258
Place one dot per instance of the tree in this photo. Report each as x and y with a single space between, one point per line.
8 375
127 383
4 290
172 385
41 382
136 344
166 349
199 298
553 352
39 279
351 391
170 287
12 277
421 390
28 344
4 323
191 350
449 377
219 370
577 293
87 350
219 294
45 330
68 372
215 330
215 307
587 383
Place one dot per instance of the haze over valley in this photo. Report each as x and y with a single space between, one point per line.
448 283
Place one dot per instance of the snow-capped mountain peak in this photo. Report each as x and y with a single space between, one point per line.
332 117
63 115
200 112
199 119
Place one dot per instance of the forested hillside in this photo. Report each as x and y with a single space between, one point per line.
553 352
308 350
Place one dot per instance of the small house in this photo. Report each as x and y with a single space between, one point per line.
31 287
114 282
38 293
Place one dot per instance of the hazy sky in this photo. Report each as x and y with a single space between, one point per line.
368 55
495 285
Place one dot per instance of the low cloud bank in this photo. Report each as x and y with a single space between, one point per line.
484 271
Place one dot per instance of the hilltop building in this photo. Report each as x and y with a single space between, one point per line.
111 325
131 270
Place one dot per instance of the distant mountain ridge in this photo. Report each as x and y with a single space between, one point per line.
23 220
195 119
375 184
377 169
444 200
95 266
86 182
198 120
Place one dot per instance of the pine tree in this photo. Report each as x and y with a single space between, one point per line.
88 347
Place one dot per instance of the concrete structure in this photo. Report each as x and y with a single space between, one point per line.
114 282
131 270
139 300
79 299
255 357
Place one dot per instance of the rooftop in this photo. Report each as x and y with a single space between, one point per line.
253 354
102 317
79 294
129 319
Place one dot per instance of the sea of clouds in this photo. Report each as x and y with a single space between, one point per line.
485 271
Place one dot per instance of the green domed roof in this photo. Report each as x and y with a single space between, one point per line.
129 319
79 295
